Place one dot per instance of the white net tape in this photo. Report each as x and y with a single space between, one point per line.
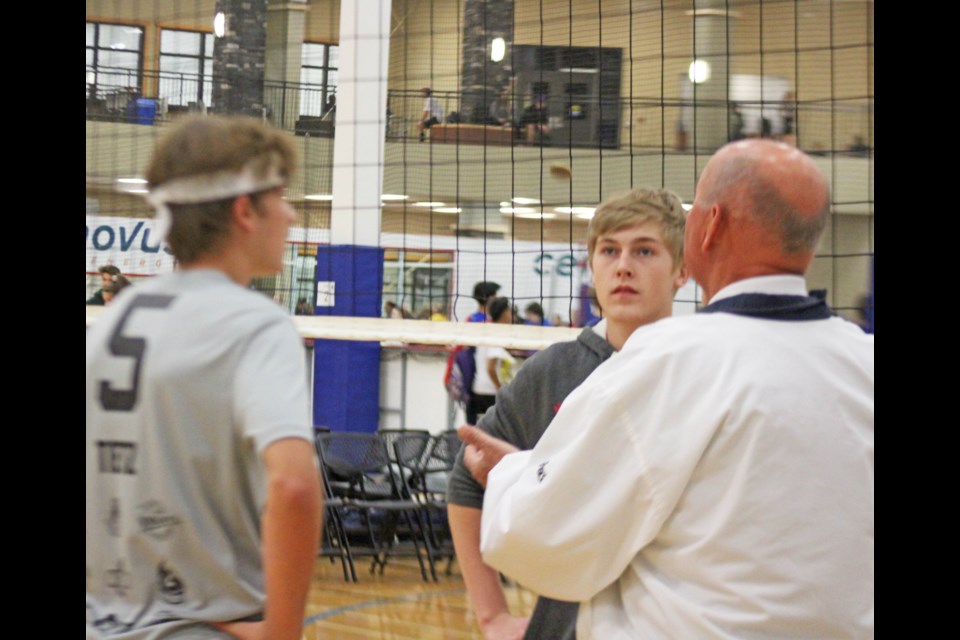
388 331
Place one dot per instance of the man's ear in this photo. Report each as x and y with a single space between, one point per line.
243 212
716 220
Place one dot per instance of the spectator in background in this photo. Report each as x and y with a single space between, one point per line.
330 108
534 121
494 365
483 291
108 273
304 308
438 315
789 113
110 291
535 315
736 122
766 127
432 112
393 311
501 109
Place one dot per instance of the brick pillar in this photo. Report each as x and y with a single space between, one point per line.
285 26
482 80
238 58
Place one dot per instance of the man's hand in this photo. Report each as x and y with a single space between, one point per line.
482 452
505 627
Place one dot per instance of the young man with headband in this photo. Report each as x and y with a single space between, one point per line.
635 248
203 498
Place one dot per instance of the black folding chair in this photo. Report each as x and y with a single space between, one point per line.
390 436
361 475
411 451
426 462
335 542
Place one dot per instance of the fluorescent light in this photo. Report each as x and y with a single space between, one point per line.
536 216
497 48
517 210
576 70
580 211
392 197
520 200
131 181
699 71
721 13
686 207
448 210
319 196
429 204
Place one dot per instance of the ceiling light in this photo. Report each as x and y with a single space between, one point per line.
429 204
448 210
319 196
520 200
390 197
580 211
699 71
720 13
131 181
517 210
537 216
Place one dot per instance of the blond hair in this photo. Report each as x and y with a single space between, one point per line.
637 207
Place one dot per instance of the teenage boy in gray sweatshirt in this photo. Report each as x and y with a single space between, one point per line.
635 249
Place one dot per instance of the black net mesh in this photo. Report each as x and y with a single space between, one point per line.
630 94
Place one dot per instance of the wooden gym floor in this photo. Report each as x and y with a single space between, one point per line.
398 605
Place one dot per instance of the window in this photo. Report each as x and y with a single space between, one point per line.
318 76
114 56
186 66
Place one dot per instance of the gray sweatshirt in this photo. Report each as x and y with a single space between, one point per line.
523 410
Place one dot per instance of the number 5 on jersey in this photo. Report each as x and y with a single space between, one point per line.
123 346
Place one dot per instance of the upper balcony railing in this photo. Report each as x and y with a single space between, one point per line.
650 124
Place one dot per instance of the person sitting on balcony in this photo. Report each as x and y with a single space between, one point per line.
432 112
534 121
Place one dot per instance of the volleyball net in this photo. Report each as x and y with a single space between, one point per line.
543 110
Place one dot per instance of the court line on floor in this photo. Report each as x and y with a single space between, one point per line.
323 615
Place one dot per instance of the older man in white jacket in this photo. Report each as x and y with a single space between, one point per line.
714 479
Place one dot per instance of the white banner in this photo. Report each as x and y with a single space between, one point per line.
129 243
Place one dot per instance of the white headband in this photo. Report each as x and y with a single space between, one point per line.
207 188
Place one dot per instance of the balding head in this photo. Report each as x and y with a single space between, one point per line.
760 209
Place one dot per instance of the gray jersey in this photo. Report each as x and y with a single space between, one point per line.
189 377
